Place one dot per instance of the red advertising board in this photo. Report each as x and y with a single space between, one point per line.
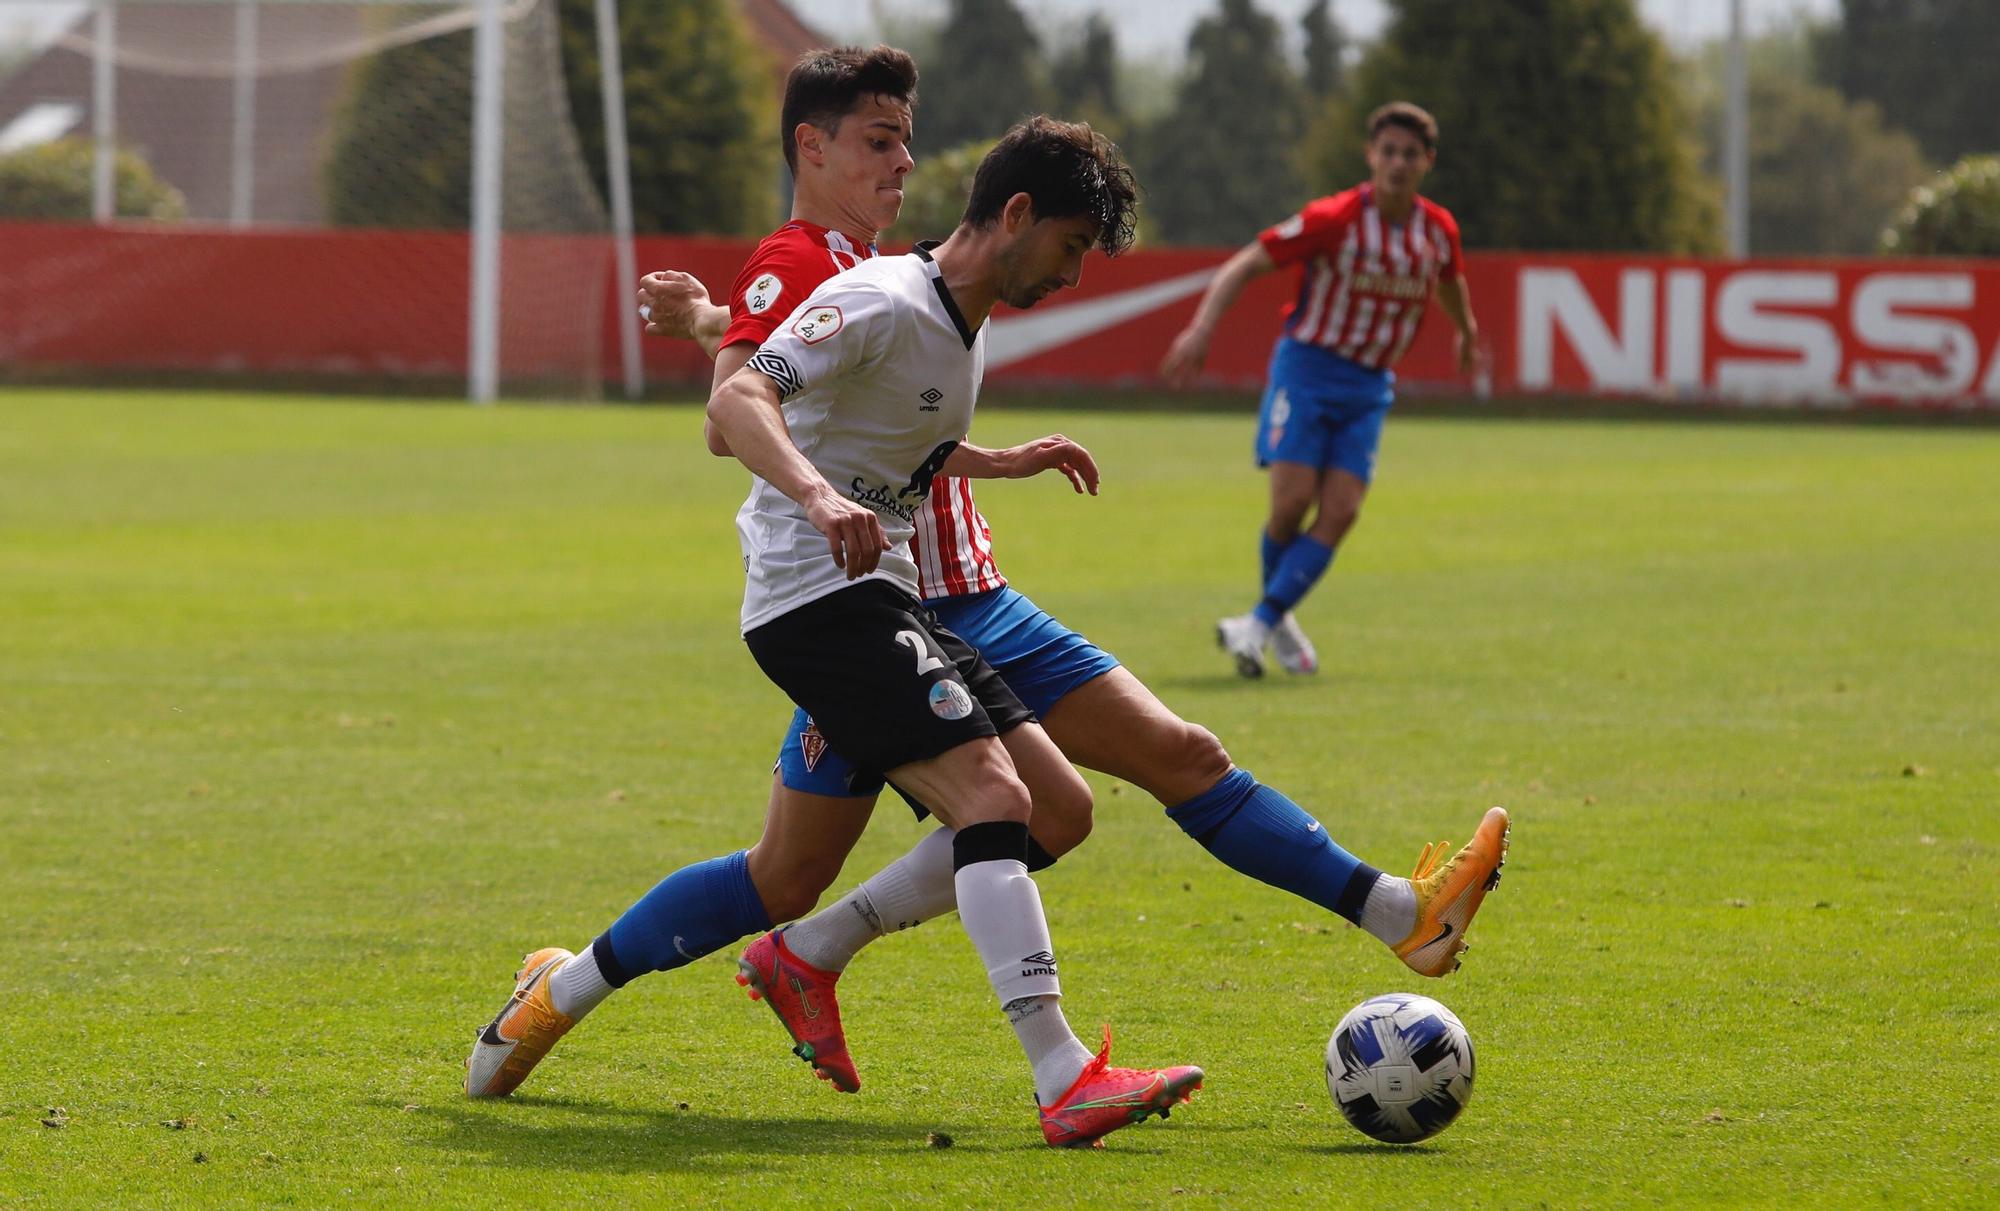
1825 333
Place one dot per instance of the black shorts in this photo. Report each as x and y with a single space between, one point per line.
885 682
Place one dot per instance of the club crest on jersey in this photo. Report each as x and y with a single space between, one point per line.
949 700
763 293
812 745
818 324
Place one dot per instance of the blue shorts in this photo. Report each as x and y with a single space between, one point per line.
1040 659
1322 410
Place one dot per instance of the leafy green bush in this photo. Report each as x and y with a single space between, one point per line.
1956 214
53 181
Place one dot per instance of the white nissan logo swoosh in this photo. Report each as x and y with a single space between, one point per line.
1019 337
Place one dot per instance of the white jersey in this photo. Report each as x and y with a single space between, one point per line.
879 374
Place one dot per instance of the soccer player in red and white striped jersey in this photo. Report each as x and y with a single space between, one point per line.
1371 257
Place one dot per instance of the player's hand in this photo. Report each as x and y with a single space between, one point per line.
853 532
1185 357
1055 453
1466 345
670 301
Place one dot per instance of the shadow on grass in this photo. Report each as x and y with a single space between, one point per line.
565 1133
558 1133
1386 1152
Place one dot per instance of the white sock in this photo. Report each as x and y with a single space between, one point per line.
1058 1055
1390 911
577 987
909 891
1002 912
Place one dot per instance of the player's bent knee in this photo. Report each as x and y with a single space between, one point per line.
1063 815
790 885
1205 759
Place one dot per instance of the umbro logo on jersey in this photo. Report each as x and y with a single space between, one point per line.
1040 963
818 324
931 396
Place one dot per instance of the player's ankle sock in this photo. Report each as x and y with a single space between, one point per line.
1256 830
909 891
1002 912
1272 550
695 910
1058 1055
1391 911
1299 569
579 986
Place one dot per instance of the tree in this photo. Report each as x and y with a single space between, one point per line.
1223 161
53 181
1958 214
1324 46
1825 172
1084 79
985 75
935 192
1566 132
1928 63
700 115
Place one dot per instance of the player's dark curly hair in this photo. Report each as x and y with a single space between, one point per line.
1066 169
826 85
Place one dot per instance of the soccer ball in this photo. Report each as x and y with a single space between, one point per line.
1399 1067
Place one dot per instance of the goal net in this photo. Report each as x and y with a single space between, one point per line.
286 189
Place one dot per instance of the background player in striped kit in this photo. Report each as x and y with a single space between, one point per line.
1371 257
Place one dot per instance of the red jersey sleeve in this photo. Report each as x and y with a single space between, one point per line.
774 281
1451 256
1316 229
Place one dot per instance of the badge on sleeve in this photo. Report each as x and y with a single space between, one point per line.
1290 228
763 293
818 324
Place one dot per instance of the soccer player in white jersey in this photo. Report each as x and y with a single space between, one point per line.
846 121
1372 256
846 416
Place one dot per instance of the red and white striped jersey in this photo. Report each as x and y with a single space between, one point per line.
1365 283
953 547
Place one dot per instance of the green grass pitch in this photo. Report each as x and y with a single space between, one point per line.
314 715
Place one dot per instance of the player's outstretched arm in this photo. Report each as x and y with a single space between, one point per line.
1456 300
1052 453
1190 349
748 412
676 305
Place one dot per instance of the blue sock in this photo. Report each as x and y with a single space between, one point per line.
691 912
1257 831
1273 551
1300 568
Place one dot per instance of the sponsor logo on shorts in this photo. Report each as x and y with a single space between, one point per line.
1281 411
949 700
812 745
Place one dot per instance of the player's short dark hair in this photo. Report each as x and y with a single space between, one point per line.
826 85
1413 118
1066 169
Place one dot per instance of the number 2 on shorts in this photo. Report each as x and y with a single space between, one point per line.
925 661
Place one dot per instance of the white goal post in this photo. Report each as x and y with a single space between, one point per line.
251 58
